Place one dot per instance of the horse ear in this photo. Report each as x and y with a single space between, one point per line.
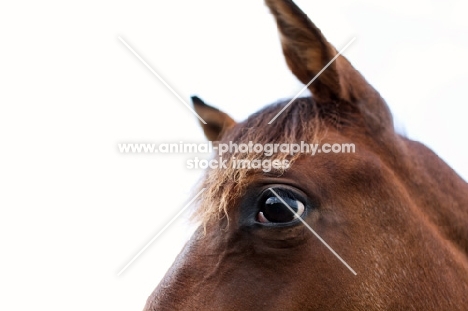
217 122
307 52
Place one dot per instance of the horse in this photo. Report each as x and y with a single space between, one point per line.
393 211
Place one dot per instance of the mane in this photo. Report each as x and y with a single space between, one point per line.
303 120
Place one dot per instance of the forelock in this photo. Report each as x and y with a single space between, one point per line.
301 121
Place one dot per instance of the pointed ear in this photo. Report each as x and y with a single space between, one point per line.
217 122
307 52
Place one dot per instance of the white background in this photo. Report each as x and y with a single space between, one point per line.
74 211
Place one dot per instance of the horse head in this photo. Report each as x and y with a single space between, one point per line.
392 210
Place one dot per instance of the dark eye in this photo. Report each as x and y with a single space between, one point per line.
273 209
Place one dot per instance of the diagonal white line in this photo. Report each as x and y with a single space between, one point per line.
161 79
160 232
313 79
312 230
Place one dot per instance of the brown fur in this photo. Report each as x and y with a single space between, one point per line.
393 210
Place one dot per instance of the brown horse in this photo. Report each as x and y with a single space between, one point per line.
393 210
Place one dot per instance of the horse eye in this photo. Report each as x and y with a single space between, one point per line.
272 210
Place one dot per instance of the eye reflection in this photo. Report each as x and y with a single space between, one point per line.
273 209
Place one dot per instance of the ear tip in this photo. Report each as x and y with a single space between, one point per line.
197 100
